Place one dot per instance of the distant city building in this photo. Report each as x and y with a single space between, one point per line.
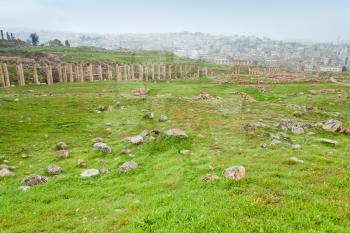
330 69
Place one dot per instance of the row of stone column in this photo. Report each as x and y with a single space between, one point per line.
4 76
9 36
263 71
88 72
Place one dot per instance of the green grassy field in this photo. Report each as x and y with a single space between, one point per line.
166 192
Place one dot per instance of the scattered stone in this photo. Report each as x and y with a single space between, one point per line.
311 133
247 97
210 177
176 133
332 125
7 166
81 163
149 115
90 172
296 160
263 145
62 154
298 114
24 188
140 91
53 170
163 118
104 171
5 172
136 140
97 140
329 141
234 173
103 147
110 108
184 152
127 166
210 168
296 147
203 96
275 142
250 127
61 146
34 179
347 131
126 151
297 130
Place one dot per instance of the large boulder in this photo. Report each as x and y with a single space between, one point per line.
127 166
332 125
90 172
234 173
53 170
35 179
176 133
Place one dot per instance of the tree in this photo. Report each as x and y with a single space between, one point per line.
34 38
55 43
67 43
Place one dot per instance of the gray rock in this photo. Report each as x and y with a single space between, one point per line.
53 170
210 177
149 115
103 147
296 160
126 151
35 179
62 154
296 147
163 118
5 172
24 188
136 140
104 171
61 146
347 131
297 130
90 172
81 163
332 125
184 152
127 166
234 173
176 133
329 141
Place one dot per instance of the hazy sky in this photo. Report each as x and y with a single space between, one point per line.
318 20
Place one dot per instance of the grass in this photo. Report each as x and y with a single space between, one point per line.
166 192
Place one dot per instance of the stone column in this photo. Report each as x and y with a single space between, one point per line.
100 76
65 77
117 70
132 72
20 74
125 75
198 72
164 72
153 76
158 71
6 75
59 71
8 36
81 70
108 72
70 69
90 71
35 75
2 77
181 73
77 73
2 34
12 37
146 71
206 72
169 71
48 75
140 72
